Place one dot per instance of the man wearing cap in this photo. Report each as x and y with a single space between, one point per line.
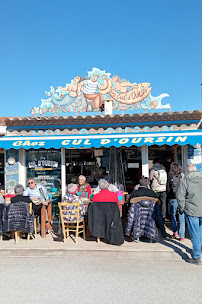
111 187
105 195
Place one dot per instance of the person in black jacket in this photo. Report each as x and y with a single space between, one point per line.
143 189
174 177
145 216
19 190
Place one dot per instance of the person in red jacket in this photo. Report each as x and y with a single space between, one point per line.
105 195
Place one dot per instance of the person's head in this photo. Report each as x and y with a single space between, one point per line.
107 179
32 183
77 79
103 184
144 181
95 77
156 160
81 179
19 189
72 188
175 169
191 168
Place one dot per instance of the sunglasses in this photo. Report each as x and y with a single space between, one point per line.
30 183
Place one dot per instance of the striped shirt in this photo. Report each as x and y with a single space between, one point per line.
90 87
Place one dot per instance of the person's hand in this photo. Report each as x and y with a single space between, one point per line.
45 203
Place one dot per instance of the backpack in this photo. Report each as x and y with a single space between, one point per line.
162 177
174 182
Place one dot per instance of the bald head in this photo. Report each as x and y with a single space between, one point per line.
191 168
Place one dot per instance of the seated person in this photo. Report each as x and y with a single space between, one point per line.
84 187
36 192
19 190
71 197
143 189
144 217
105 195
111 187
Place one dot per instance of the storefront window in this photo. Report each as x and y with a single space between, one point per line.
45 167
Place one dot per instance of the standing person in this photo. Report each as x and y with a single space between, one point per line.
84 187
189 196
158 178
174 177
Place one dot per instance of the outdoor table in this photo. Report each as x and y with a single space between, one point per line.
43 217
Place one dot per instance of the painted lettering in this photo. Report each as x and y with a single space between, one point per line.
86 142
76 142
160 139
42 143
170 139
17 143
180 138
124 141
149 139
136 140
35 143
105 141
26 143
66 142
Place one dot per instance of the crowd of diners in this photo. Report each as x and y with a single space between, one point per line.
146 215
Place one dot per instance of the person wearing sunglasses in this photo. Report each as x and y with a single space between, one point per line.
37 193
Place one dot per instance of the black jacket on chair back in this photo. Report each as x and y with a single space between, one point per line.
104 221
17 217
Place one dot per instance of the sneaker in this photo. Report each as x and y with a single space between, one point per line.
175 236
182 239
194 261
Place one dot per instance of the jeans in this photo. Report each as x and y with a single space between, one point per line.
162 200
173 210
194 224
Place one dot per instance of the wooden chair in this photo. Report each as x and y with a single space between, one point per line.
141 198
74 225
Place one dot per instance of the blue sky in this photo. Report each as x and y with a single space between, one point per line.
49 42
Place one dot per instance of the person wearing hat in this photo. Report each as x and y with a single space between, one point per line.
71 197
111 187
105 195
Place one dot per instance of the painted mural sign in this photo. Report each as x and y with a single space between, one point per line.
89 93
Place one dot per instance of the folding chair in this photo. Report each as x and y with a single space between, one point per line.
67 211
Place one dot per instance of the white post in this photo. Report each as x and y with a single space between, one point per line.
22 167
63 171
184 158
145 161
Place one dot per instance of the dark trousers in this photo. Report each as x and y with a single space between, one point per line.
162 202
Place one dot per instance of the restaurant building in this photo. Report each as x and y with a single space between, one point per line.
95 126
